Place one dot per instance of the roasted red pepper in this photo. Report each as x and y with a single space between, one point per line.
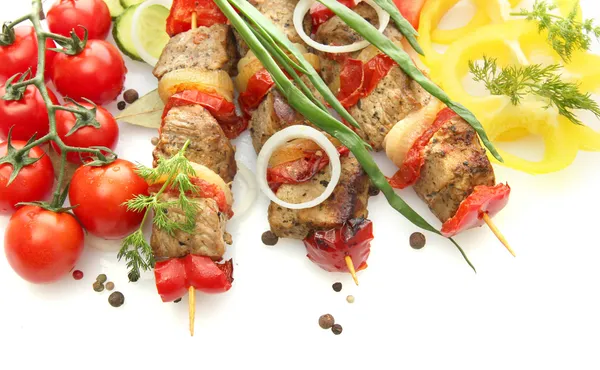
176 275
219 107
410 171
300 170
258 87
320 13
483 199
358 79
180 16
205 190
329 248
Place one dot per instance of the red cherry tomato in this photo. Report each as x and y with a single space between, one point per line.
26 116
97 73
22 54
42 246
100 193
66 15
33 183
106 135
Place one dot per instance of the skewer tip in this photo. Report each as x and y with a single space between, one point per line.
192 308
350 266
498 234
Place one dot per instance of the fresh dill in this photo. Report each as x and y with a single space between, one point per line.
543 81
175 175
565 34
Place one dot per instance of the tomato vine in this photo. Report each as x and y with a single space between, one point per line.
15 87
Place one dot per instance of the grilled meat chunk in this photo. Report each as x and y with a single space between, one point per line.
455 163
272 115
206 48
395 96
281 14
208 144
348 200
208 239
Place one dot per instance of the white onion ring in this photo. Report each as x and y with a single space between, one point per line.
282 137
250 195
304 6
135 37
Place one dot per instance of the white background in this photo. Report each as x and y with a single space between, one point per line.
414 309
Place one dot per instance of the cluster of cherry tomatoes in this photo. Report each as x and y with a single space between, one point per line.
43 245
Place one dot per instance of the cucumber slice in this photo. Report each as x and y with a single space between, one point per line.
122 33
115 8
127 3
151 30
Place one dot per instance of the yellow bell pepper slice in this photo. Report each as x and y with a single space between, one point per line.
446 37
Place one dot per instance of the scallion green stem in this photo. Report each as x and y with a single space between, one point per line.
403 25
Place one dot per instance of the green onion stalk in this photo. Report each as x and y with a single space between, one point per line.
15 88
262 37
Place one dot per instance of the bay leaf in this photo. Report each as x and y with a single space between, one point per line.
146 111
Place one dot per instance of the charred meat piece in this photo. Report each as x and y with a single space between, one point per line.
349 200
281 14
272 115
395 96
208 144
206 48
455 163
208 239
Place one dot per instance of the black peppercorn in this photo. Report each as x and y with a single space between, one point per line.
268 238
326 321
337 286
116 299
177 300
417 240
121 105
130 96
337 329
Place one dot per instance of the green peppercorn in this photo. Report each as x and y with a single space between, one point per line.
110 286
337 329
417 240
98 286
116 299
101 278
154 141
326 321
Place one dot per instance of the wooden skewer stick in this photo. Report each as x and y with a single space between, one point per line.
497 232
350 265
194 20
192 308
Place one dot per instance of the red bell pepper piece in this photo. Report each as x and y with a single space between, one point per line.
180 16
205 190
329 248
219 107
258 87
409 172
300 170
358 79
483 199
411 10
176 275
319 13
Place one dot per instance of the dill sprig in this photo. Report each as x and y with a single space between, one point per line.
176 172
565 34
543 81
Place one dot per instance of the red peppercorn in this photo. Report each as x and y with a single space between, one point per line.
77 275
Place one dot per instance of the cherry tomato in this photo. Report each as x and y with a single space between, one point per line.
106 135
22 54
411 10
97 73
66 15
42 246
100 193
33 183
27 116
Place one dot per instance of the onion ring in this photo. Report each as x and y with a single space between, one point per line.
280 138
135 37
304 6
